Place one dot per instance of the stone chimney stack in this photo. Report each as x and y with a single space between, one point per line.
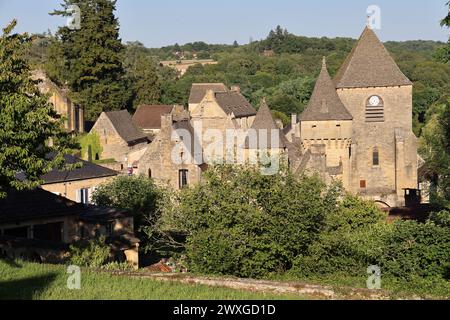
294 120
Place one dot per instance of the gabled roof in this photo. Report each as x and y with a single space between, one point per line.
370 65
233 102
198 91
123 123
265 121
19 206
87 171
325 103
33 204
148 117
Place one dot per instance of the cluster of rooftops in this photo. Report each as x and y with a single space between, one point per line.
368 65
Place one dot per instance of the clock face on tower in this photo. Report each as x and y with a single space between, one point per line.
374 101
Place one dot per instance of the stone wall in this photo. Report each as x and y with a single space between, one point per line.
393 138
114 147
70 189
157 162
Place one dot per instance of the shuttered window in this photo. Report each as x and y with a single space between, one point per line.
374 109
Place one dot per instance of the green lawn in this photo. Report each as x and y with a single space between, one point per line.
45 282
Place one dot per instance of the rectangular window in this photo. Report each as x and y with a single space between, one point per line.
363 184
83 196
183 178
376 158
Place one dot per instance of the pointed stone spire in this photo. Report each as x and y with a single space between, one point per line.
265 121
264 118
369 65
325 103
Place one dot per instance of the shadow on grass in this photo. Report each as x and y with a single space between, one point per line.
25 289
10 262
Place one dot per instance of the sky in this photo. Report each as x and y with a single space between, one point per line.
157 23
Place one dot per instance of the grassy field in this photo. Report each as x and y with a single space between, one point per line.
45 282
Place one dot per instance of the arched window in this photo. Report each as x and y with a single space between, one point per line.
374 109
376 157
150 173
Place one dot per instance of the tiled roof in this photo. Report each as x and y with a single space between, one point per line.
123 123
19 206
325 103
369 65
33 204
198 91
87 171
233 102
148 117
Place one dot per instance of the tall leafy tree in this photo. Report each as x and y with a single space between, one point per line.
142 73
93 57
29 126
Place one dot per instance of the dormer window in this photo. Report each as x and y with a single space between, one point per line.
374 109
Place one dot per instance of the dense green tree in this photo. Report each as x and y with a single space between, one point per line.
243 223
139 195
29 127
435 147
93 57
143 75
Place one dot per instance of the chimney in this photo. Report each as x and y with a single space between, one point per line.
210 95
294 120
279 124
166 122
236 89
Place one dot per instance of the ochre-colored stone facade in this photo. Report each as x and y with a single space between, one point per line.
70 189
393 139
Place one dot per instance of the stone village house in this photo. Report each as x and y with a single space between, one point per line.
42 223
39 225
72 113
119 138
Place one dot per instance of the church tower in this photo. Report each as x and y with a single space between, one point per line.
327 124
379 97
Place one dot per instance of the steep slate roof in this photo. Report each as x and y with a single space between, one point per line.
325 103
233 102
88 170
149 116
32 204
370 65
123 123
264 121
198 90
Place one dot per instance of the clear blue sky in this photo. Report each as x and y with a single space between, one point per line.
161 22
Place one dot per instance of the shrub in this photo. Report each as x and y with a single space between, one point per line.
441 218
93 253
352 239
242 223
417 249
139 195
